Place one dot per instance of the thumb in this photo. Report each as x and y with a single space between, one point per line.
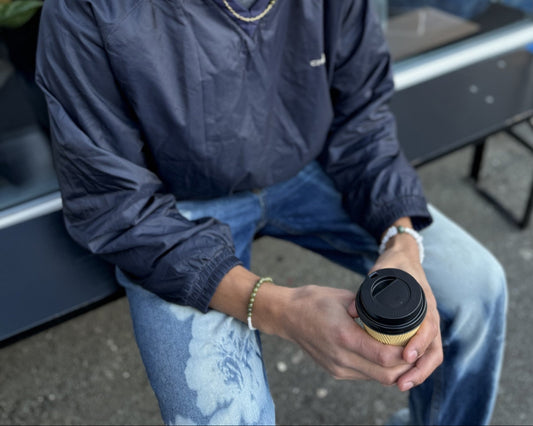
352 310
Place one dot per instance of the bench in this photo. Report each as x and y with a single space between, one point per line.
466 107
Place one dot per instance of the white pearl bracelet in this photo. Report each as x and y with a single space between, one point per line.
394 230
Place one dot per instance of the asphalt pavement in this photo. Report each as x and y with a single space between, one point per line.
88 370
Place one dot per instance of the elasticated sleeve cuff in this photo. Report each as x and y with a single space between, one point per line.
414 207
202 291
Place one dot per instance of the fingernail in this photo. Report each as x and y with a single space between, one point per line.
412 356
407 386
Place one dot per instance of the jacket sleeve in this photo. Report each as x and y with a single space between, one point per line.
112 203
362 155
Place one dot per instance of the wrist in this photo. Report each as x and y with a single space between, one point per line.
270 306
402 238
232 297
403 244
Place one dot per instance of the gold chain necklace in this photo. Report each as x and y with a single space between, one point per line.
253 18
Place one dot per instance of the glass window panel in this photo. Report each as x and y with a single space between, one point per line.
414 27
26 170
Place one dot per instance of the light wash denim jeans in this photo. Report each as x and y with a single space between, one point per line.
208 369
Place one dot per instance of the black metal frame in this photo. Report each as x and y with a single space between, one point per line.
522 221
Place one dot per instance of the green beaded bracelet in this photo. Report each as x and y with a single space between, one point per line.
252 299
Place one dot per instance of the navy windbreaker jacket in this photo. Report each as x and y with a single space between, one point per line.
156 100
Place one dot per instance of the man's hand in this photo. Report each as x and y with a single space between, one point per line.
317 321
321 321
424 350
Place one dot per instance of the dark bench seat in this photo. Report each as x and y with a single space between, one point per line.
465 107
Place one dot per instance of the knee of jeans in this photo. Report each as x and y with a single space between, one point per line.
493 296
478 310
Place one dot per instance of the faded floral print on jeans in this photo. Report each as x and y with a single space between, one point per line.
226 373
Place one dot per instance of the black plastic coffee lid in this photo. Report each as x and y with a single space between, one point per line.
391 301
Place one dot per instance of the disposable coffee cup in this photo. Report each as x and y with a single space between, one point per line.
391 306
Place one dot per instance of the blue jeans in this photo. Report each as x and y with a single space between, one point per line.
208 368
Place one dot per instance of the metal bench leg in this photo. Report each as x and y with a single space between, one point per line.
477 161
529 207
522 221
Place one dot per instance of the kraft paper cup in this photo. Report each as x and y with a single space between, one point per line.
391 306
